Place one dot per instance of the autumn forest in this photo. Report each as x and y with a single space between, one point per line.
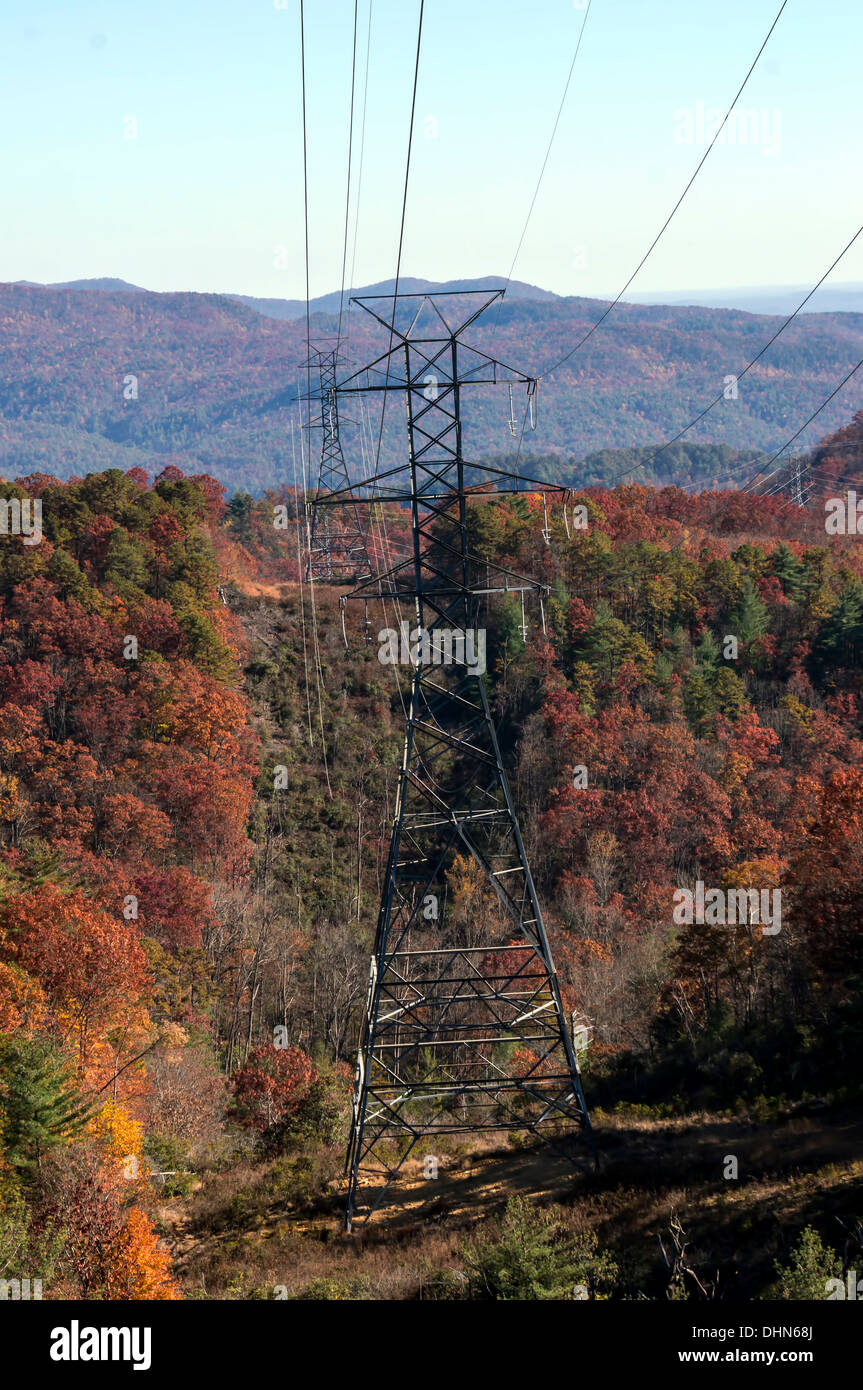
198 768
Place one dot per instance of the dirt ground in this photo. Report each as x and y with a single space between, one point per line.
808 1167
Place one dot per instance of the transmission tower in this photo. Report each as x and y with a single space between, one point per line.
464 1028
797 482
337 539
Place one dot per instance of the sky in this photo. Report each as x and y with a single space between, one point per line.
162 142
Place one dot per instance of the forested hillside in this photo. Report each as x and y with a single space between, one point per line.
197 778
97 379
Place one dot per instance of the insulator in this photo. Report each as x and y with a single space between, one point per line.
523 625
531 402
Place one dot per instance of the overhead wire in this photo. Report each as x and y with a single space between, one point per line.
316 650
589 334
807 422
348 191
660 449
300 567
401 231
614 302
561 105
358 197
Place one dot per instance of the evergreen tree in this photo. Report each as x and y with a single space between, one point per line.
707 652
698 701
729 693
811 1265
749 620
788 571
840 640
40 1104
533 1257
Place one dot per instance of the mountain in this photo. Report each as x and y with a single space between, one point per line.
752 299
766 299
329 303
105 283
91 379
325 303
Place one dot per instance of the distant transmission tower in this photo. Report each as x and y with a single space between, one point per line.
797 482
464 1029
337 537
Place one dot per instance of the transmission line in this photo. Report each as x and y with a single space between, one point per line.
401 228
549 147
348 193
659 234
835 392
749 365
316 651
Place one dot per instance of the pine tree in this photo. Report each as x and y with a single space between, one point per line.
707 652
729 693
840 641
750 619
40 1104
698 701
788 571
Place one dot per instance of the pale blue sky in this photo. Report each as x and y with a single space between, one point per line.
212 183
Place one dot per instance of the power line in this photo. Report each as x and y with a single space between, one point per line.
651 247
700 416
822 406
300 568
362 158
401 229
765 464
316 652
350 157
550 143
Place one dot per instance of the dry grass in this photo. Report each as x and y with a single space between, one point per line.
253 1228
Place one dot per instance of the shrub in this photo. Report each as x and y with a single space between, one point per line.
532 1257
812 1264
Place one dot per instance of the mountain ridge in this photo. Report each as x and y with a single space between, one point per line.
846 297
97 379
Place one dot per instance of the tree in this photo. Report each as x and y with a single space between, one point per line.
827 878
840 639
750 619
729 693
89 963
531 1256
271 1085
40 1103
788 571
111 1249
811 1265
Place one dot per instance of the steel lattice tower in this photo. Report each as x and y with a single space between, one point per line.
464 1027
797 484
337 541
